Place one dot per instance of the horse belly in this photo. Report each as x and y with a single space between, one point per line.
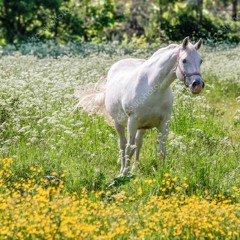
149 123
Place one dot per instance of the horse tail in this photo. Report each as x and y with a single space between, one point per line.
92 99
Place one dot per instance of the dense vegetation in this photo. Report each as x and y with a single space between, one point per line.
60 182
109 20
38 125
59 166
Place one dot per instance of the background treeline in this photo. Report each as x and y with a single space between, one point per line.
108 20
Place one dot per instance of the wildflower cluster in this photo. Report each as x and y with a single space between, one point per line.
42 209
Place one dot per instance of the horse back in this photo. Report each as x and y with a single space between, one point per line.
124 68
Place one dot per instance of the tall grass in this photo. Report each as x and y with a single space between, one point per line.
38 126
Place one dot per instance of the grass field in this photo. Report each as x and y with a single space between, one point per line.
57 163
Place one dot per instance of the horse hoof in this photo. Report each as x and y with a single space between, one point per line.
162 155
135 166
125 172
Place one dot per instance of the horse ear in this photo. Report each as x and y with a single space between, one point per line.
198 44
185 42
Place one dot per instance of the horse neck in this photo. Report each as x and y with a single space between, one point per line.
161 67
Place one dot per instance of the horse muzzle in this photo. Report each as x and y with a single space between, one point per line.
196 86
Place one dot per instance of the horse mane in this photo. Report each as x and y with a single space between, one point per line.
162 50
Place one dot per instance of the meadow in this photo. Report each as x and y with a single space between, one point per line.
58 168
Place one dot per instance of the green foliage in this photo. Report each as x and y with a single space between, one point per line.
23 19
100 18
34 20
110 20
186 24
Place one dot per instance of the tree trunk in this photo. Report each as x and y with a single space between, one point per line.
160 17
234 10
200 12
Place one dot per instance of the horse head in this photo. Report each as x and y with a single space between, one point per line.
188 65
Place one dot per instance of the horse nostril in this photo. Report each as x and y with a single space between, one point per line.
196 82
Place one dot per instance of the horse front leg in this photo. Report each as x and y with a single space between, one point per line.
132 130
122 142
162 138
138 142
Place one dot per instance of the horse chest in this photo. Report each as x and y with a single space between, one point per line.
150 116
149 110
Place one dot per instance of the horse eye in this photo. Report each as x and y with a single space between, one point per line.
184 60
201 61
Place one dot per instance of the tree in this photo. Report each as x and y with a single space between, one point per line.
234 10
22 19
164 6
200 12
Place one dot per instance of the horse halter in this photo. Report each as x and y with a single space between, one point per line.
185 75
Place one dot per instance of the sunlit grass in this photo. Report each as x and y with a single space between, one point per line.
39 127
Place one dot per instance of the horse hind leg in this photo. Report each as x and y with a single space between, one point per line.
122 142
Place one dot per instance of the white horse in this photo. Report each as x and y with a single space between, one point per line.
137 95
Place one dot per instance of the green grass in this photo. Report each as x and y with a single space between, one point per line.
39 128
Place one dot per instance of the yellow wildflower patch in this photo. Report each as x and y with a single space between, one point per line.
37 210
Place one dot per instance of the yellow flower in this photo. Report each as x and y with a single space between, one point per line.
139 191
32 168
46 212
178 188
